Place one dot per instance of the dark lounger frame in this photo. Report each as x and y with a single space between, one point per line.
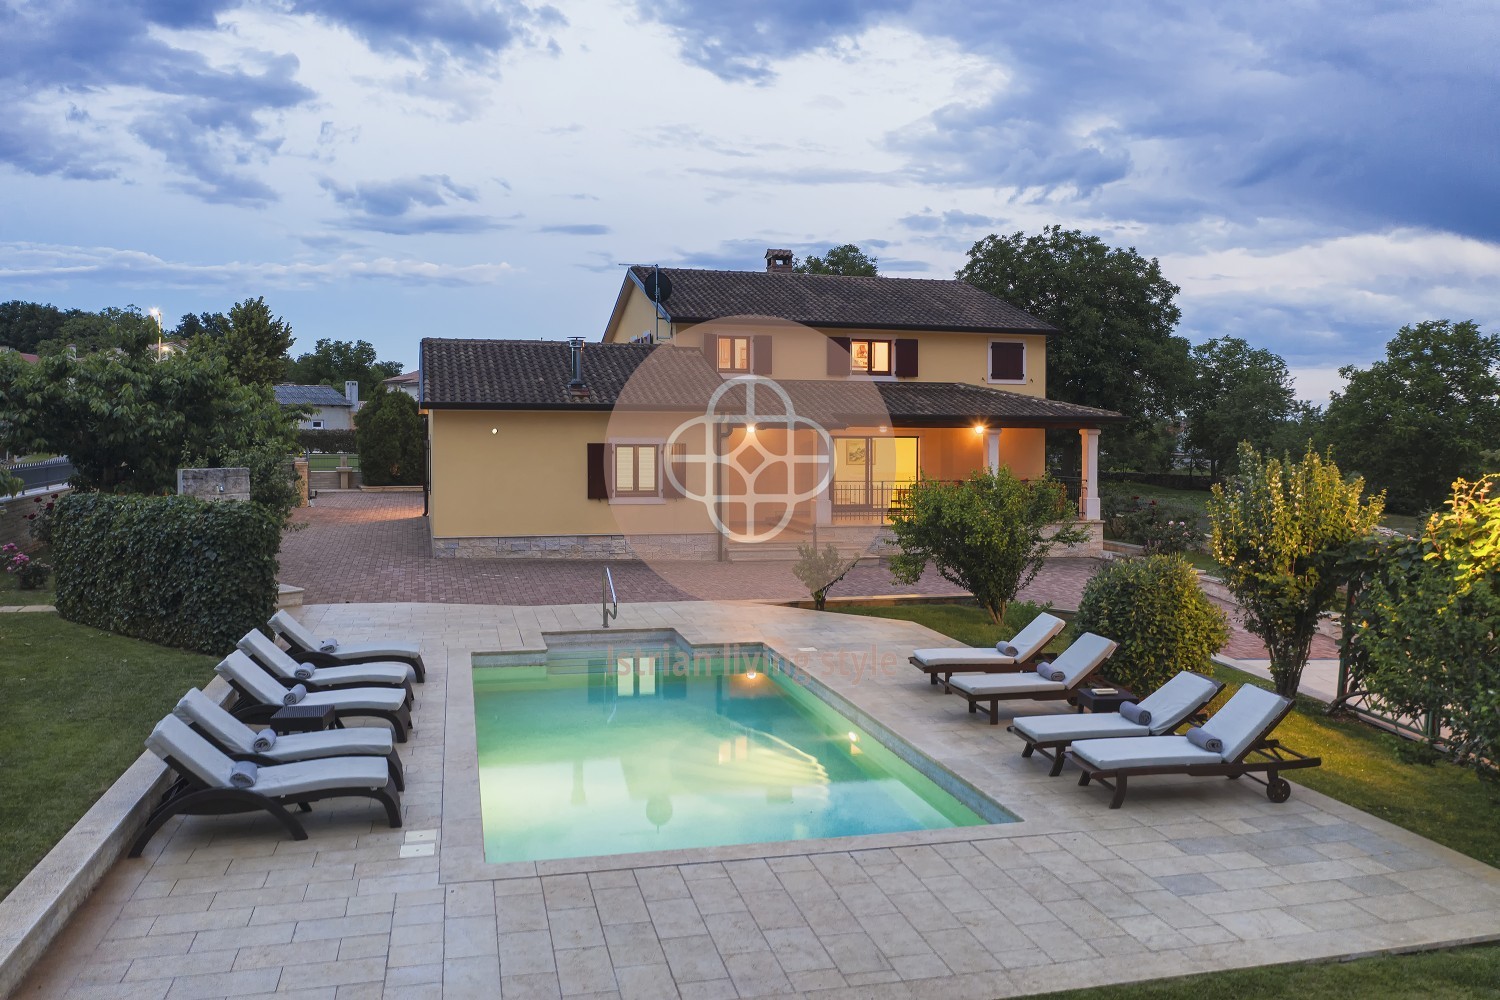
1068 694
947 670
1265 756
393 762
250 710
189 796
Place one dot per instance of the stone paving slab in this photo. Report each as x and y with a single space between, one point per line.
1191 875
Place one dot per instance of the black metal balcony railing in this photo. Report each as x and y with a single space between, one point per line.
860 500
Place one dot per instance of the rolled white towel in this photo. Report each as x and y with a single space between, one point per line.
303 671
1198 738
242 775
294 694
1048 672
264 740
328 645
1131 712
1006 649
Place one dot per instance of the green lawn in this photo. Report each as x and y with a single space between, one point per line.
11 594
1362 766
1198 500
79 703
328 463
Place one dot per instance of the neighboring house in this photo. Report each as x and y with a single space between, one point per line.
331 410
409 383
530 454
30 359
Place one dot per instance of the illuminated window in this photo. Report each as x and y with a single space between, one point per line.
635 470
870 357
734 354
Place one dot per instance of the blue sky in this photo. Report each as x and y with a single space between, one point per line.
1313 175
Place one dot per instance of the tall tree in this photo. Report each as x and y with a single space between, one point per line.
128 420
257 342
848 259
333 362
1239 393
1115 310
392 438
204 324
24 325
1422 417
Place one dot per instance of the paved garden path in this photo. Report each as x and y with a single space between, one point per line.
363 548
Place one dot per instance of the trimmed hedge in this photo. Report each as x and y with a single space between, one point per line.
177 571
1154 608
331 441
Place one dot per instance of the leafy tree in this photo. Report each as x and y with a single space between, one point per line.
1280 530
988 534
128 421
333 362
111 328
1239 393
1116 310
819 571
392 440
24 325
1419 419
205 324
257 343
847 259
1155 610
1429 617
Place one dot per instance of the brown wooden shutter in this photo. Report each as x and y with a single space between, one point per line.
906 358
838 355
1008 362
760 355
598 483
676 458
711 349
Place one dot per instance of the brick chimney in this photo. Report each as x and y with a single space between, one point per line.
778 260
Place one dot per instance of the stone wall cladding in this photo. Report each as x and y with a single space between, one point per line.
582 547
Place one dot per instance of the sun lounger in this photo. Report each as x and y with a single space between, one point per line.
239 741
208 785
308 648
1028 644
1076 664
1169 706
259 647
1242 728
261 696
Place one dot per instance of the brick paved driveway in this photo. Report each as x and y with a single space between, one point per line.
366 548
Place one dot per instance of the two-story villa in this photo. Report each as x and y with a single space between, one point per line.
559 449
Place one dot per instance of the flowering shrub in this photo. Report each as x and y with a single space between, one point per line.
1158 525
30 574
39 521
1171 538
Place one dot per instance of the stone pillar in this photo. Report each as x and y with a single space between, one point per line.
300 464
1088 491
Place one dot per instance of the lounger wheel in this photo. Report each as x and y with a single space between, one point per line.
1278 789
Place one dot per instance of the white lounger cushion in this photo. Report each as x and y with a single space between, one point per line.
277 660
175 738
1244 718
1028 642
296 632
1070 726
195 707
1142 751
264 688
987 684
1175 700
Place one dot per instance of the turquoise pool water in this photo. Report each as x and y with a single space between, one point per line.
612 752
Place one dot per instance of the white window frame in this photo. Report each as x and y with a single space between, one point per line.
611 467
989 355
315 425
749 340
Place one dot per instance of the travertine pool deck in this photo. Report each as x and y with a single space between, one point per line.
1191 875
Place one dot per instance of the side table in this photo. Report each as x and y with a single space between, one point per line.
1103 697
303 719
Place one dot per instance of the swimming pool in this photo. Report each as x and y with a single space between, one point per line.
652 746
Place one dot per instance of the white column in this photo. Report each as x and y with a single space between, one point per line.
1088 494
992 450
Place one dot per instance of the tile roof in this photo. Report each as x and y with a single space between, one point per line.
405 378
838 301
309 395
534 374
